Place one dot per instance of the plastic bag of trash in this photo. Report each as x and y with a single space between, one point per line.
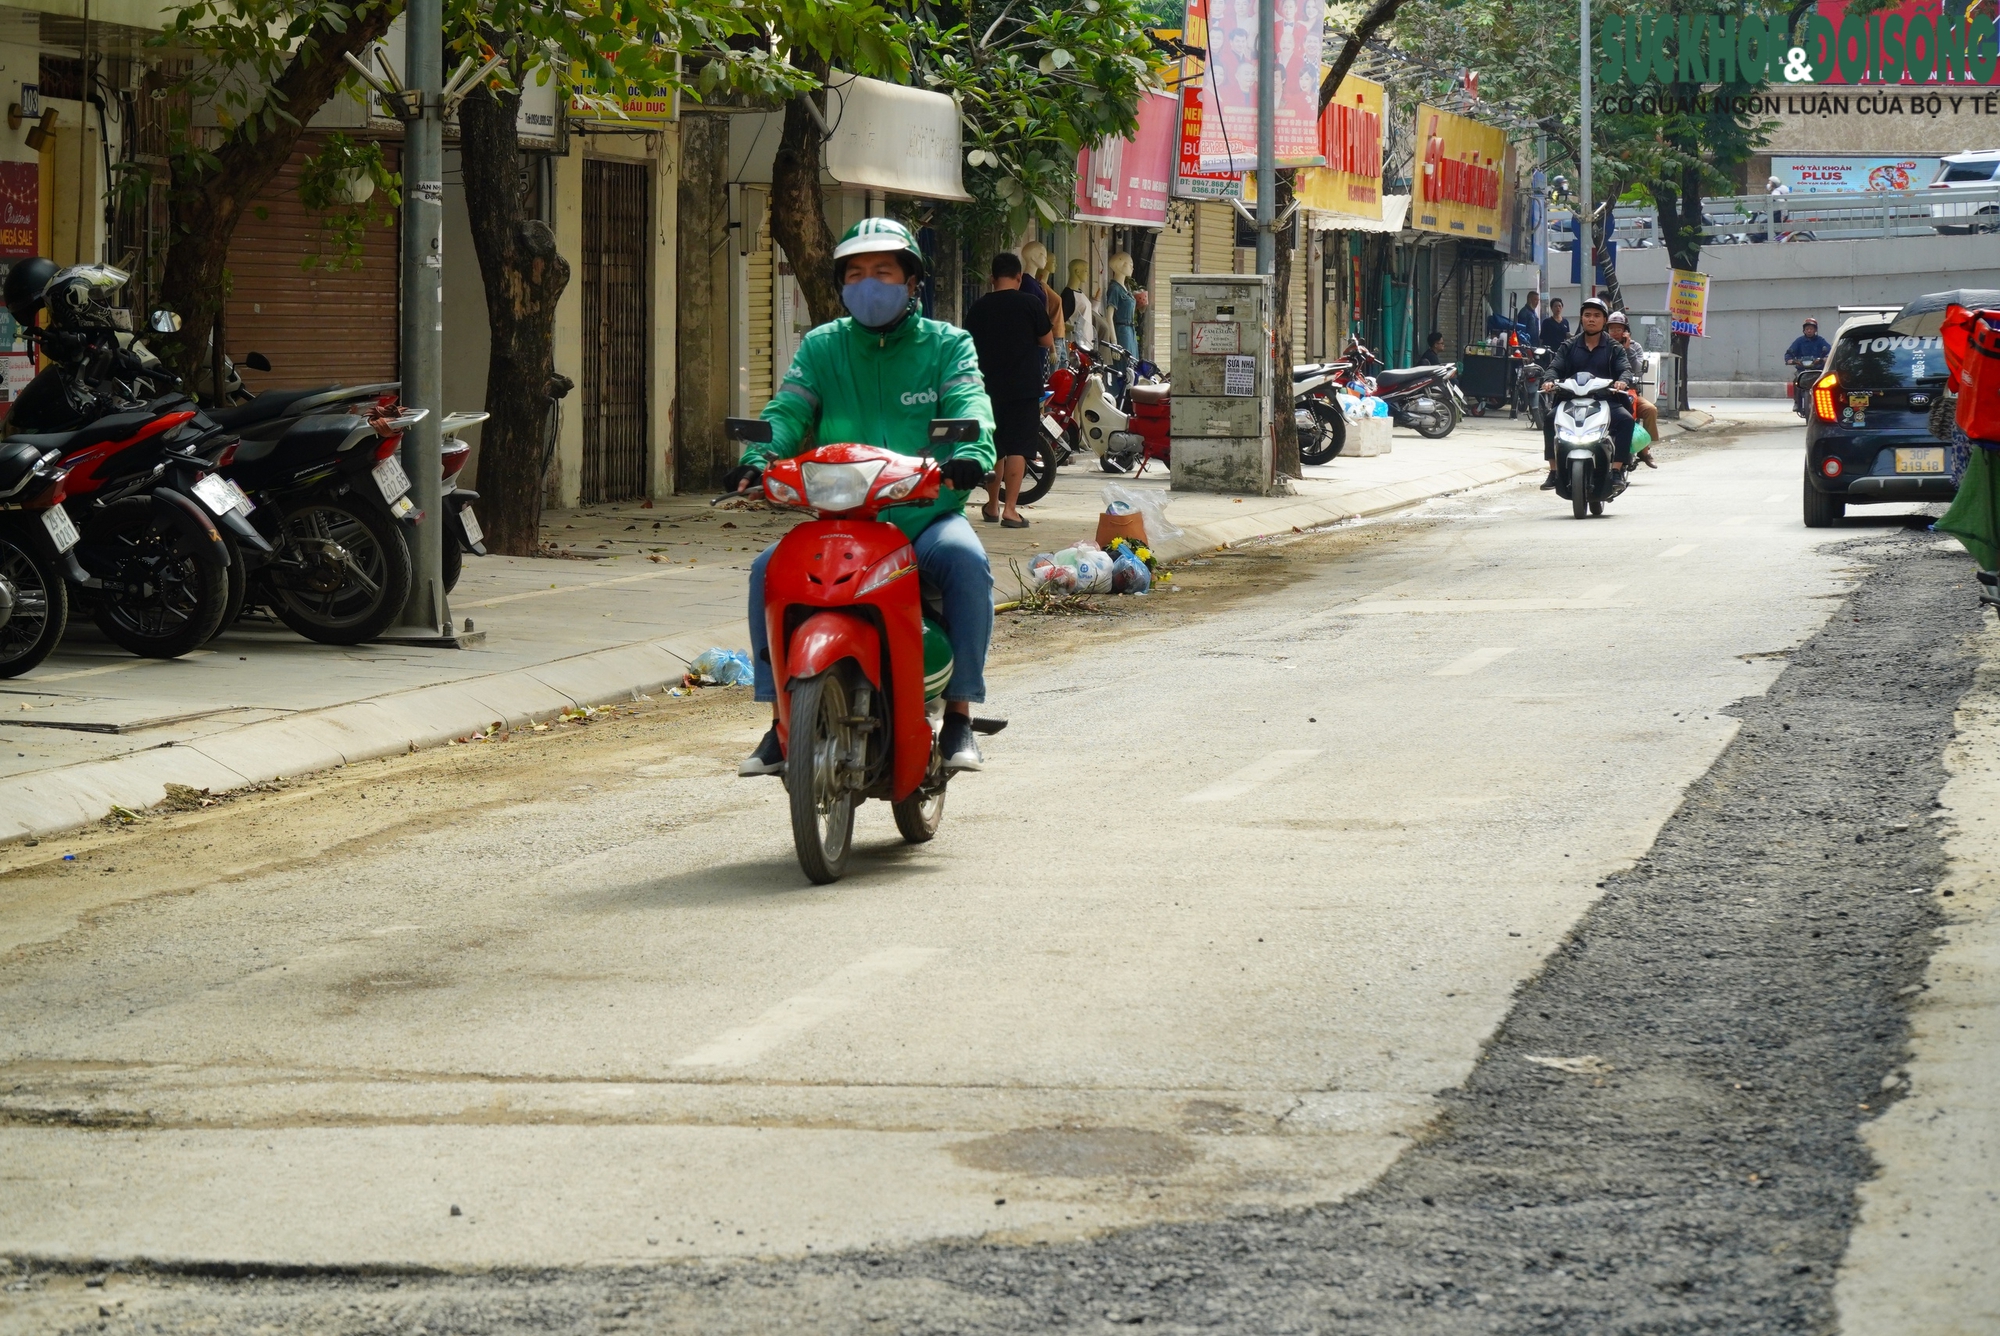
722 668
1093 569
1124 501
1129 575
1048 573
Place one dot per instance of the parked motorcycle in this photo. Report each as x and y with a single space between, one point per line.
1529 379
1426 399
857 651
1132 432
462 533
1584 448
36 537
1322 427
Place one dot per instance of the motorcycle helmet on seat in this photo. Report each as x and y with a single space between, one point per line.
26 282
84 296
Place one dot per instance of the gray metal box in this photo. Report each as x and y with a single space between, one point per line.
1222 355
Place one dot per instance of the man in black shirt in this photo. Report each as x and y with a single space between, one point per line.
1555 329
1010 330
1594 351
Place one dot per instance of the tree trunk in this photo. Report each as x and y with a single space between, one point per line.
798 210
1600 252
208 202
948 283
524 277
701 375
1285 428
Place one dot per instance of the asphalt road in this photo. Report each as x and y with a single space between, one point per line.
1506 927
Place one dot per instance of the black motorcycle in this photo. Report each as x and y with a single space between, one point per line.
36 536
1803 377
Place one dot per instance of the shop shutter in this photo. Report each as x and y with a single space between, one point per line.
1215 238
760 315
616 236
1300 259
1173 254
318 325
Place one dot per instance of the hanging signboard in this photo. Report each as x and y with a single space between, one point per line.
1227 30
1687 301
1350 139
20 207
1126 181
1190 181
894 138
1837 173
1458 181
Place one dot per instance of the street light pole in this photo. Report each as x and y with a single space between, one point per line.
1267 175
427 616
1586 231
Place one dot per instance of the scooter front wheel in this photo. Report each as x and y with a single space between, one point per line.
816 757
1579 488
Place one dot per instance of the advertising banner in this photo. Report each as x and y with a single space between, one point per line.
1687 301
1190 181
1834 44
1350 139
1834 173
1458 189
1126 181
1227 30
20 207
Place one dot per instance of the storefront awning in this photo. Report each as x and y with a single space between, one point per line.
891 138
1395 208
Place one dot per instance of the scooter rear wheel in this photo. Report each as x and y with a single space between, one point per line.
919 815
1040 474
815 755
1579 488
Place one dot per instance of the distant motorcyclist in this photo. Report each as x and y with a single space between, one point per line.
877 377
1807 352
1597 354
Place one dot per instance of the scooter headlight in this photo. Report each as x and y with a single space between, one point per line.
901 488
839 486
781 492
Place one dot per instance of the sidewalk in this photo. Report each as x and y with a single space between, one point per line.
639 591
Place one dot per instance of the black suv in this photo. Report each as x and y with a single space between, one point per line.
1868 435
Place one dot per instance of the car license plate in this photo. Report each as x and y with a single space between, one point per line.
61 532
473 533
220 495
391 479
1925 460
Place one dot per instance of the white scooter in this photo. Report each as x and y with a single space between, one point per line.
1584 448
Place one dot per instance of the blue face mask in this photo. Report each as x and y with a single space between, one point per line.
875 303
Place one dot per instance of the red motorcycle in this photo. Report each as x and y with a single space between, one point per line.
858 654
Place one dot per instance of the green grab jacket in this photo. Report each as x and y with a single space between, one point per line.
851 385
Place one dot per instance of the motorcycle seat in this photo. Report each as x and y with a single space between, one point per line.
265 407
1151 394
1389 380
17 460
109 428
1310 370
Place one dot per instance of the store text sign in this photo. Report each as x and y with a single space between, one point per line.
1350 139
1920 42
1126 181
1459 177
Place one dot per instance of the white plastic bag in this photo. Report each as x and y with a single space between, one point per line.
1124 501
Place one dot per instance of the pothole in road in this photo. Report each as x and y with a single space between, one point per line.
1084 1152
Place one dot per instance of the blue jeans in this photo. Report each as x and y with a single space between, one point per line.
950 556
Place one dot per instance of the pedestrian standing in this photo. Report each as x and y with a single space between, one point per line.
1529 319
1555 329
1010 328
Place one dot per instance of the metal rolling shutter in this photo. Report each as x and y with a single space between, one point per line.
1173 254
615 238
1215 238
760 314
317 325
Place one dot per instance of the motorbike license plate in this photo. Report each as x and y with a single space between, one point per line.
61 532
1929 459
390 478
221 495
473 533
1052 427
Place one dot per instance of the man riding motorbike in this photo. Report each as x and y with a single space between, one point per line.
1807 351
1596 353
877 377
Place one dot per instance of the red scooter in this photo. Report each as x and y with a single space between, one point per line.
859 660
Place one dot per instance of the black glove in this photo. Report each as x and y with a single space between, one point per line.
964 474
736 479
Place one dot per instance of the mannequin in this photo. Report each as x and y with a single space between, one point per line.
1119 302
1035 256
1078 313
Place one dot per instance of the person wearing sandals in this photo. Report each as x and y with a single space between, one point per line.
1010 329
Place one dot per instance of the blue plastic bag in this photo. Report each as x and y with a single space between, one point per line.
723 667
1129 575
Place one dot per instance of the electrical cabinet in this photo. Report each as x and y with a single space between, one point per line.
1223 352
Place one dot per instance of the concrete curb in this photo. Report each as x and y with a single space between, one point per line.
50 801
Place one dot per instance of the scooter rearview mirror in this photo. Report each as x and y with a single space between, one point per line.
954 431
257 362
747 429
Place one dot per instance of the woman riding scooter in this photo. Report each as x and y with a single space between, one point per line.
877 377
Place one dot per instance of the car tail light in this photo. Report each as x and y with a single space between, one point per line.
1831 467
1824 390
898 563
454 460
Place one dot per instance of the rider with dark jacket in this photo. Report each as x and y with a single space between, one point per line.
1596 353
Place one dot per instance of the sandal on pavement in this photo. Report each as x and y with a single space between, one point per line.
991 514
1013 524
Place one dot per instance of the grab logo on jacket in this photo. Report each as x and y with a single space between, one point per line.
913 397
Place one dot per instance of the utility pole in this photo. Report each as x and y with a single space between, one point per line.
1586 231
426 617
1267 175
